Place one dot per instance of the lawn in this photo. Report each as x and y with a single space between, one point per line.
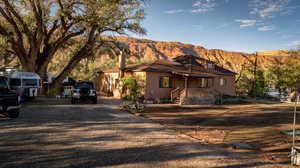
258 125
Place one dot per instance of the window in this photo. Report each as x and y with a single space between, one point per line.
81 85
165 82
30 82
222 82
210 65
3 83
15 82
203 82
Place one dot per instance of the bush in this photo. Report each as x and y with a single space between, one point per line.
52 92
227 99
199 100
131 89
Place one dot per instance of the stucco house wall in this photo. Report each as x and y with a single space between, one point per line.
150 81
228 88
152 89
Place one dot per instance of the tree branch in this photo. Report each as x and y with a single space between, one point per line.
14 12
85 52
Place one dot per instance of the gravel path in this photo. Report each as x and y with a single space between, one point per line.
65 136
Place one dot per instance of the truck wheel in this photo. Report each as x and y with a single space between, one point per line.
73 101
14 113
95 100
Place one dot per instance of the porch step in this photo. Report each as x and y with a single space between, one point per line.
176 101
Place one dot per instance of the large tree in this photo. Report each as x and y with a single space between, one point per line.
36 29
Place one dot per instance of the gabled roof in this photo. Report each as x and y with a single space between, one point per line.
187 64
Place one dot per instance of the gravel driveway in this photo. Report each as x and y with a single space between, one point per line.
65 136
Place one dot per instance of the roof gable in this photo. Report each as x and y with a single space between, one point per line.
180 64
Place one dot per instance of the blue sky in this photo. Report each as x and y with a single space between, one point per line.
233 25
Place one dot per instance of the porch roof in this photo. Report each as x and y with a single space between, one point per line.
196 75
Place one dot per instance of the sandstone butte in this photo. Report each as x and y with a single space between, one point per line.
235 61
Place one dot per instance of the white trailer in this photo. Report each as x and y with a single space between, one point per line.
27 84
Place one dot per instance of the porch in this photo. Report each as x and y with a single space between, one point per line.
193 85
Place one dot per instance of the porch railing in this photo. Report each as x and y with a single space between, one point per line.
175 94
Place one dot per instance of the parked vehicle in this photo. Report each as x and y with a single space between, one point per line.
26 84
68 86
84 91
9 99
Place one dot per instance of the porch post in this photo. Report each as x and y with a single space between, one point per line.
186 86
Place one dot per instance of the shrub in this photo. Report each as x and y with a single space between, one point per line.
131 89
199 100
52 92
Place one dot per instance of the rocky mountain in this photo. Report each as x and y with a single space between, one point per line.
236 61
144 50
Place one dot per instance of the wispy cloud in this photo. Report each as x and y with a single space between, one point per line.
174 11
199 6
202 6
223 26
294 43
270 8
265 28
246 22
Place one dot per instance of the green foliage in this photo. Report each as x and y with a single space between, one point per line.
287 76
52 92
37 30
253 86
282 76
131 89
259 87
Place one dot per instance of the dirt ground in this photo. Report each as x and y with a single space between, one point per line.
56 134
258 125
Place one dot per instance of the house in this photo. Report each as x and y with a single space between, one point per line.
183 77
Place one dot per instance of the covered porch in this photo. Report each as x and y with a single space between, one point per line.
187 85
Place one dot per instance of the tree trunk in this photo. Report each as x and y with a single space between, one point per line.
83 53
29 67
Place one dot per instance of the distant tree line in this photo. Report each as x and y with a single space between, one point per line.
282 76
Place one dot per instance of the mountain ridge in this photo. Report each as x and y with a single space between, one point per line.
235 61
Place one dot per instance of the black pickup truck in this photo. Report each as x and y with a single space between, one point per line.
9 100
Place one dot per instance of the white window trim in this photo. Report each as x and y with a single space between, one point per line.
222 83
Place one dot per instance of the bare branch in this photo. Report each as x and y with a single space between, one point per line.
14 12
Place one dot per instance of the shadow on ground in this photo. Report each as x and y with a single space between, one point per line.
66 136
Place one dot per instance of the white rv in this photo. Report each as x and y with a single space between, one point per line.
27 84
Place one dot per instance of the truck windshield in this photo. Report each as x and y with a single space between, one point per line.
3 83
81 85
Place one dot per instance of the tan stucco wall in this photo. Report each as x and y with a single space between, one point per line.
229 88
152 90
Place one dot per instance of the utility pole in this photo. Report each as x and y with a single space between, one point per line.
254 84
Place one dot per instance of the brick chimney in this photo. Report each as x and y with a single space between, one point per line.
122 60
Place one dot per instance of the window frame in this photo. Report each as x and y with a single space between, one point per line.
210 66
201 82
161 82
224 82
